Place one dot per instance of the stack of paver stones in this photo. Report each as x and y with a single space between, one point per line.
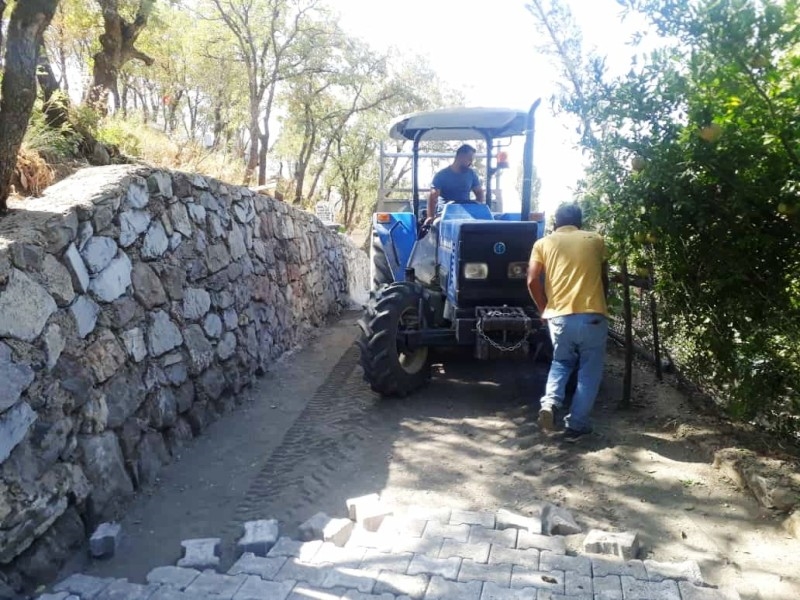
414 553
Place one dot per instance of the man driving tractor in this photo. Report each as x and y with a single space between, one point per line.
454 183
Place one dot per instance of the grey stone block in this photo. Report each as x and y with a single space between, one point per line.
558 521
495 573
506 519
405 526
428 546
201 553
124 590
356 579
398 584
322 527
14 426
579 564
687 570
442 589
259 536
443 567
384 561
16 378
335 556
522 577
508 556
478 553
613 566
496 537
554 544
294 570
577 585
692 592
635 589
85 586
624 545
608 587
255 588
356 595
264 567
435 529
58 596
303 591
368 511
213 584
177 577
289 548
168 593
492 591
104 540
370 539
471 517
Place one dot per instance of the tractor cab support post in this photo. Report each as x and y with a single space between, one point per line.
527 163
415 179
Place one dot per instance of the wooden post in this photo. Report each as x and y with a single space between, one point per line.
625 402
654 316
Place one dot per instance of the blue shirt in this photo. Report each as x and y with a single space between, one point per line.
455 186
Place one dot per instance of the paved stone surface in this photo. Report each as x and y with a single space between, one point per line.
625 544
430 567
259 537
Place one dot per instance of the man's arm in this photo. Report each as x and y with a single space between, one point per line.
535 287
479 194
433 197
604 275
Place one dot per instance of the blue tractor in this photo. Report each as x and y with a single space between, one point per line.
460 281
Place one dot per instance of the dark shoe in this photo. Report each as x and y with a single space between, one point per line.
572 436
546 419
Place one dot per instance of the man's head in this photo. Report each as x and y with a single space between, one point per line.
569 213
464 156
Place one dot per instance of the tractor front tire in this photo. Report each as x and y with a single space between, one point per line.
389 369
380 272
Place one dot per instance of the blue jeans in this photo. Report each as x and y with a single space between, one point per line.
578 340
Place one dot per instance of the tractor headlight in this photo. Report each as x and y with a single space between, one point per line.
517 270
476 271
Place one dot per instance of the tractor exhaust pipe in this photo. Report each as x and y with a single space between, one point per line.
527 163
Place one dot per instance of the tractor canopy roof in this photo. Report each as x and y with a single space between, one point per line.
463 123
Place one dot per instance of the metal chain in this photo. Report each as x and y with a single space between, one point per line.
479 329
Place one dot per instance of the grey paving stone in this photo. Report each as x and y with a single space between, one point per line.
576 584
608 587
687 570
220 586
505 519
330 554
492 591
509 556
635 589
353 504
368 511
290 548
355 595
434 529
255 588
443 589
430 513
304 591
472 517
170 593
177 577
413 586
370 539
692 592
121 589
322 527
522 577
85 586
428 546
497 537
104 540
200 553
403 525
623 544
614 566
472 571
294 570
259 536
58 596
548 595
475 552
385 561
554 543
558 521
443 567
560 562
361 580
264 567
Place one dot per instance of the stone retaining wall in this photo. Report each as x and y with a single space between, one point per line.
134 305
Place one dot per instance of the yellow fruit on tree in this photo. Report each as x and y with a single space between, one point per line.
638 163
711 133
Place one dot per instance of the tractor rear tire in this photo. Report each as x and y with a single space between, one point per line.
380 272
390 370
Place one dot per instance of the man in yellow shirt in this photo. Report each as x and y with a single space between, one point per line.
572 301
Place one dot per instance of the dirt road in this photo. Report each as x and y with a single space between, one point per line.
309 435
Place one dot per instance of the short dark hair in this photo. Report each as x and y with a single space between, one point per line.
465 149
569 213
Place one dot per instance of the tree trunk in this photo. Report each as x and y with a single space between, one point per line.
117 47
252 162
55 108
25 30
2 11
262 157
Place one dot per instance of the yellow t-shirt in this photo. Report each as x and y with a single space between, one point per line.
573 266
